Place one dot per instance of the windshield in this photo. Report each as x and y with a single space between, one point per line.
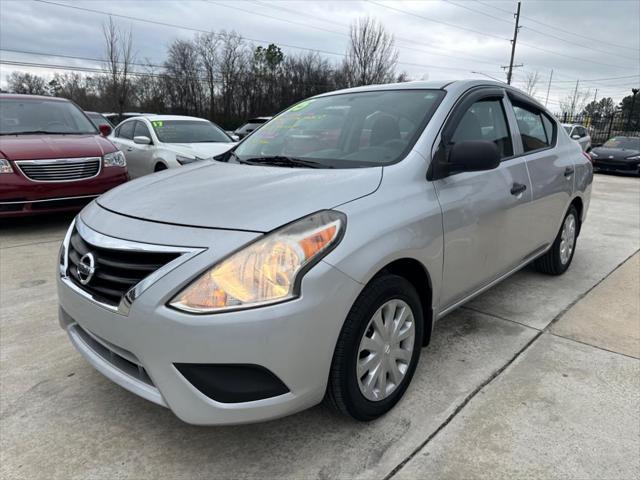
188 131
345 130
42 116
628 143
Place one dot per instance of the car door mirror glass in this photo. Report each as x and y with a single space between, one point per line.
142 140
473 156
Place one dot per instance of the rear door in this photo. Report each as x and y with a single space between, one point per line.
551 169
484 219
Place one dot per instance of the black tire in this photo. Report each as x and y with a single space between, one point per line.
160 167
551 263
343 392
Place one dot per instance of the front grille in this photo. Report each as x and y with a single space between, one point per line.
115 271
613 165
60 170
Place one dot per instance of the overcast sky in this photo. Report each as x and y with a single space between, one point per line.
437 39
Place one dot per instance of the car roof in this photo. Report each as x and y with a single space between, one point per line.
457 87
571 125
21 96
152 117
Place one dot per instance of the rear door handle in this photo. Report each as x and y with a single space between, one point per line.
568 171
518 188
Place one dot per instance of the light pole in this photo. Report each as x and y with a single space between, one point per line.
633 103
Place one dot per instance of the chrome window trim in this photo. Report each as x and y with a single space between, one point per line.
100 240
23 202
71 161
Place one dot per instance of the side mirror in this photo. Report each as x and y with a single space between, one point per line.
575 136
105 130
142 140
468 156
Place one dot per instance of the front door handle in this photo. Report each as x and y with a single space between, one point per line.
568 171
518 188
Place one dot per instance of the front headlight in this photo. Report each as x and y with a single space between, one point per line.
593 154
266 271
5 166
633 157
114 159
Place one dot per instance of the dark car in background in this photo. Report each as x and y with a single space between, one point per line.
618 154
251 125
98 119
52 158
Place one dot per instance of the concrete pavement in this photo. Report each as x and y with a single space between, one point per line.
463 416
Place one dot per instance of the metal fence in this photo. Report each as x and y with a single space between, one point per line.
603 127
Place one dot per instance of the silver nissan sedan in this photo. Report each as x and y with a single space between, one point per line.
311 261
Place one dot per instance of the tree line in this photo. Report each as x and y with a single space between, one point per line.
218 75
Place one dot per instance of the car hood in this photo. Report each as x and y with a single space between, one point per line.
201 150
213 194
34 147
616 153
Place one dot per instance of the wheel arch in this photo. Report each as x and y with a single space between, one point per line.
418 275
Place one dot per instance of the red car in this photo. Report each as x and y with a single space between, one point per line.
52 158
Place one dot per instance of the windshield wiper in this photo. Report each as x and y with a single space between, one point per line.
282 161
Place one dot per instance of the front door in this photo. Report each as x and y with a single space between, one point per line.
483 212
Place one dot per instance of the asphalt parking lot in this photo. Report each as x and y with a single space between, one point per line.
537 378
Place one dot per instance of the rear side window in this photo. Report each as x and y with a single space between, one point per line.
141 130
485 120
536 129
126 130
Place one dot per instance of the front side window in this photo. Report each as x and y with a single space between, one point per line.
141 130
532 129
345 130
42 116
188 131
485 120
126 130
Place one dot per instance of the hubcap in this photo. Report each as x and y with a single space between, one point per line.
385 350
567 238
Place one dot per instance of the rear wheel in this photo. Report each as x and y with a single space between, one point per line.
557 260
378 349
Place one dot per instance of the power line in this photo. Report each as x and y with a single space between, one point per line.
553 52
563 28
183 27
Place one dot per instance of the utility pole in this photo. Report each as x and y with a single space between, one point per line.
513 46
574 100
595 96
548 88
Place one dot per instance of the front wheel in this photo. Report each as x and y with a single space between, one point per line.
557 260
378 349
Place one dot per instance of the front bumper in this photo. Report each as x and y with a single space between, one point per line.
139 350
629 168
20 196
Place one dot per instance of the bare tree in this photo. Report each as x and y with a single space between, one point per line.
24 82
371 57
207 47
575 102
119 59
531 83
183 71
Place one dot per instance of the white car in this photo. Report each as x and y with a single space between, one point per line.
156 142
579 134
